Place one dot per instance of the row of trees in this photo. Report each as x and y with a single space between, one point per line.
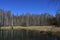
9 19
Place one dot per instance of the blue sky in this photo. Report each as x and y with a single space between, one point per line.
32 6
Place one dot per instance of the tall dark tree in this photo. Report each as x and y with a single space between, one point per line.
1 17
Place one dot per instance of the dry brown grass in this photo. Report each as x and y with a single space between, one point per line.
39 28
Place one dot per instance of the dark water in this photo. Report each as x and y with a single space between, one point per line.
26 35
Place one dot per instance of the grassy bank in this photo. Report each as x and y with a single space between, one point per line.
39 28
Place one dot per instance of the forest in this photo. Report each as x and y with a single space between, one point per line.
28 19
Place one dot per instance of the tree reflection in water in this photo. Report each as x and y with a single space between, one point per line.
22 35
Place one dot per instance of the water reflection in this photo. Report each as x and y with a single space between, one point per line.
26 35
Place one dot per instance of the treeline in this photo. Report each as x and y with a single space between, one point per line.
27 19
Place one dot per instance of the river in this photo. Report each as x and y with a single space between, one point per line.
26 35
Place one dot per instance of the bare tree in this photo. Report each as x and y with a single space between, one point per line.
12 20
27 19
22 19
8 15
1 17
58 17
